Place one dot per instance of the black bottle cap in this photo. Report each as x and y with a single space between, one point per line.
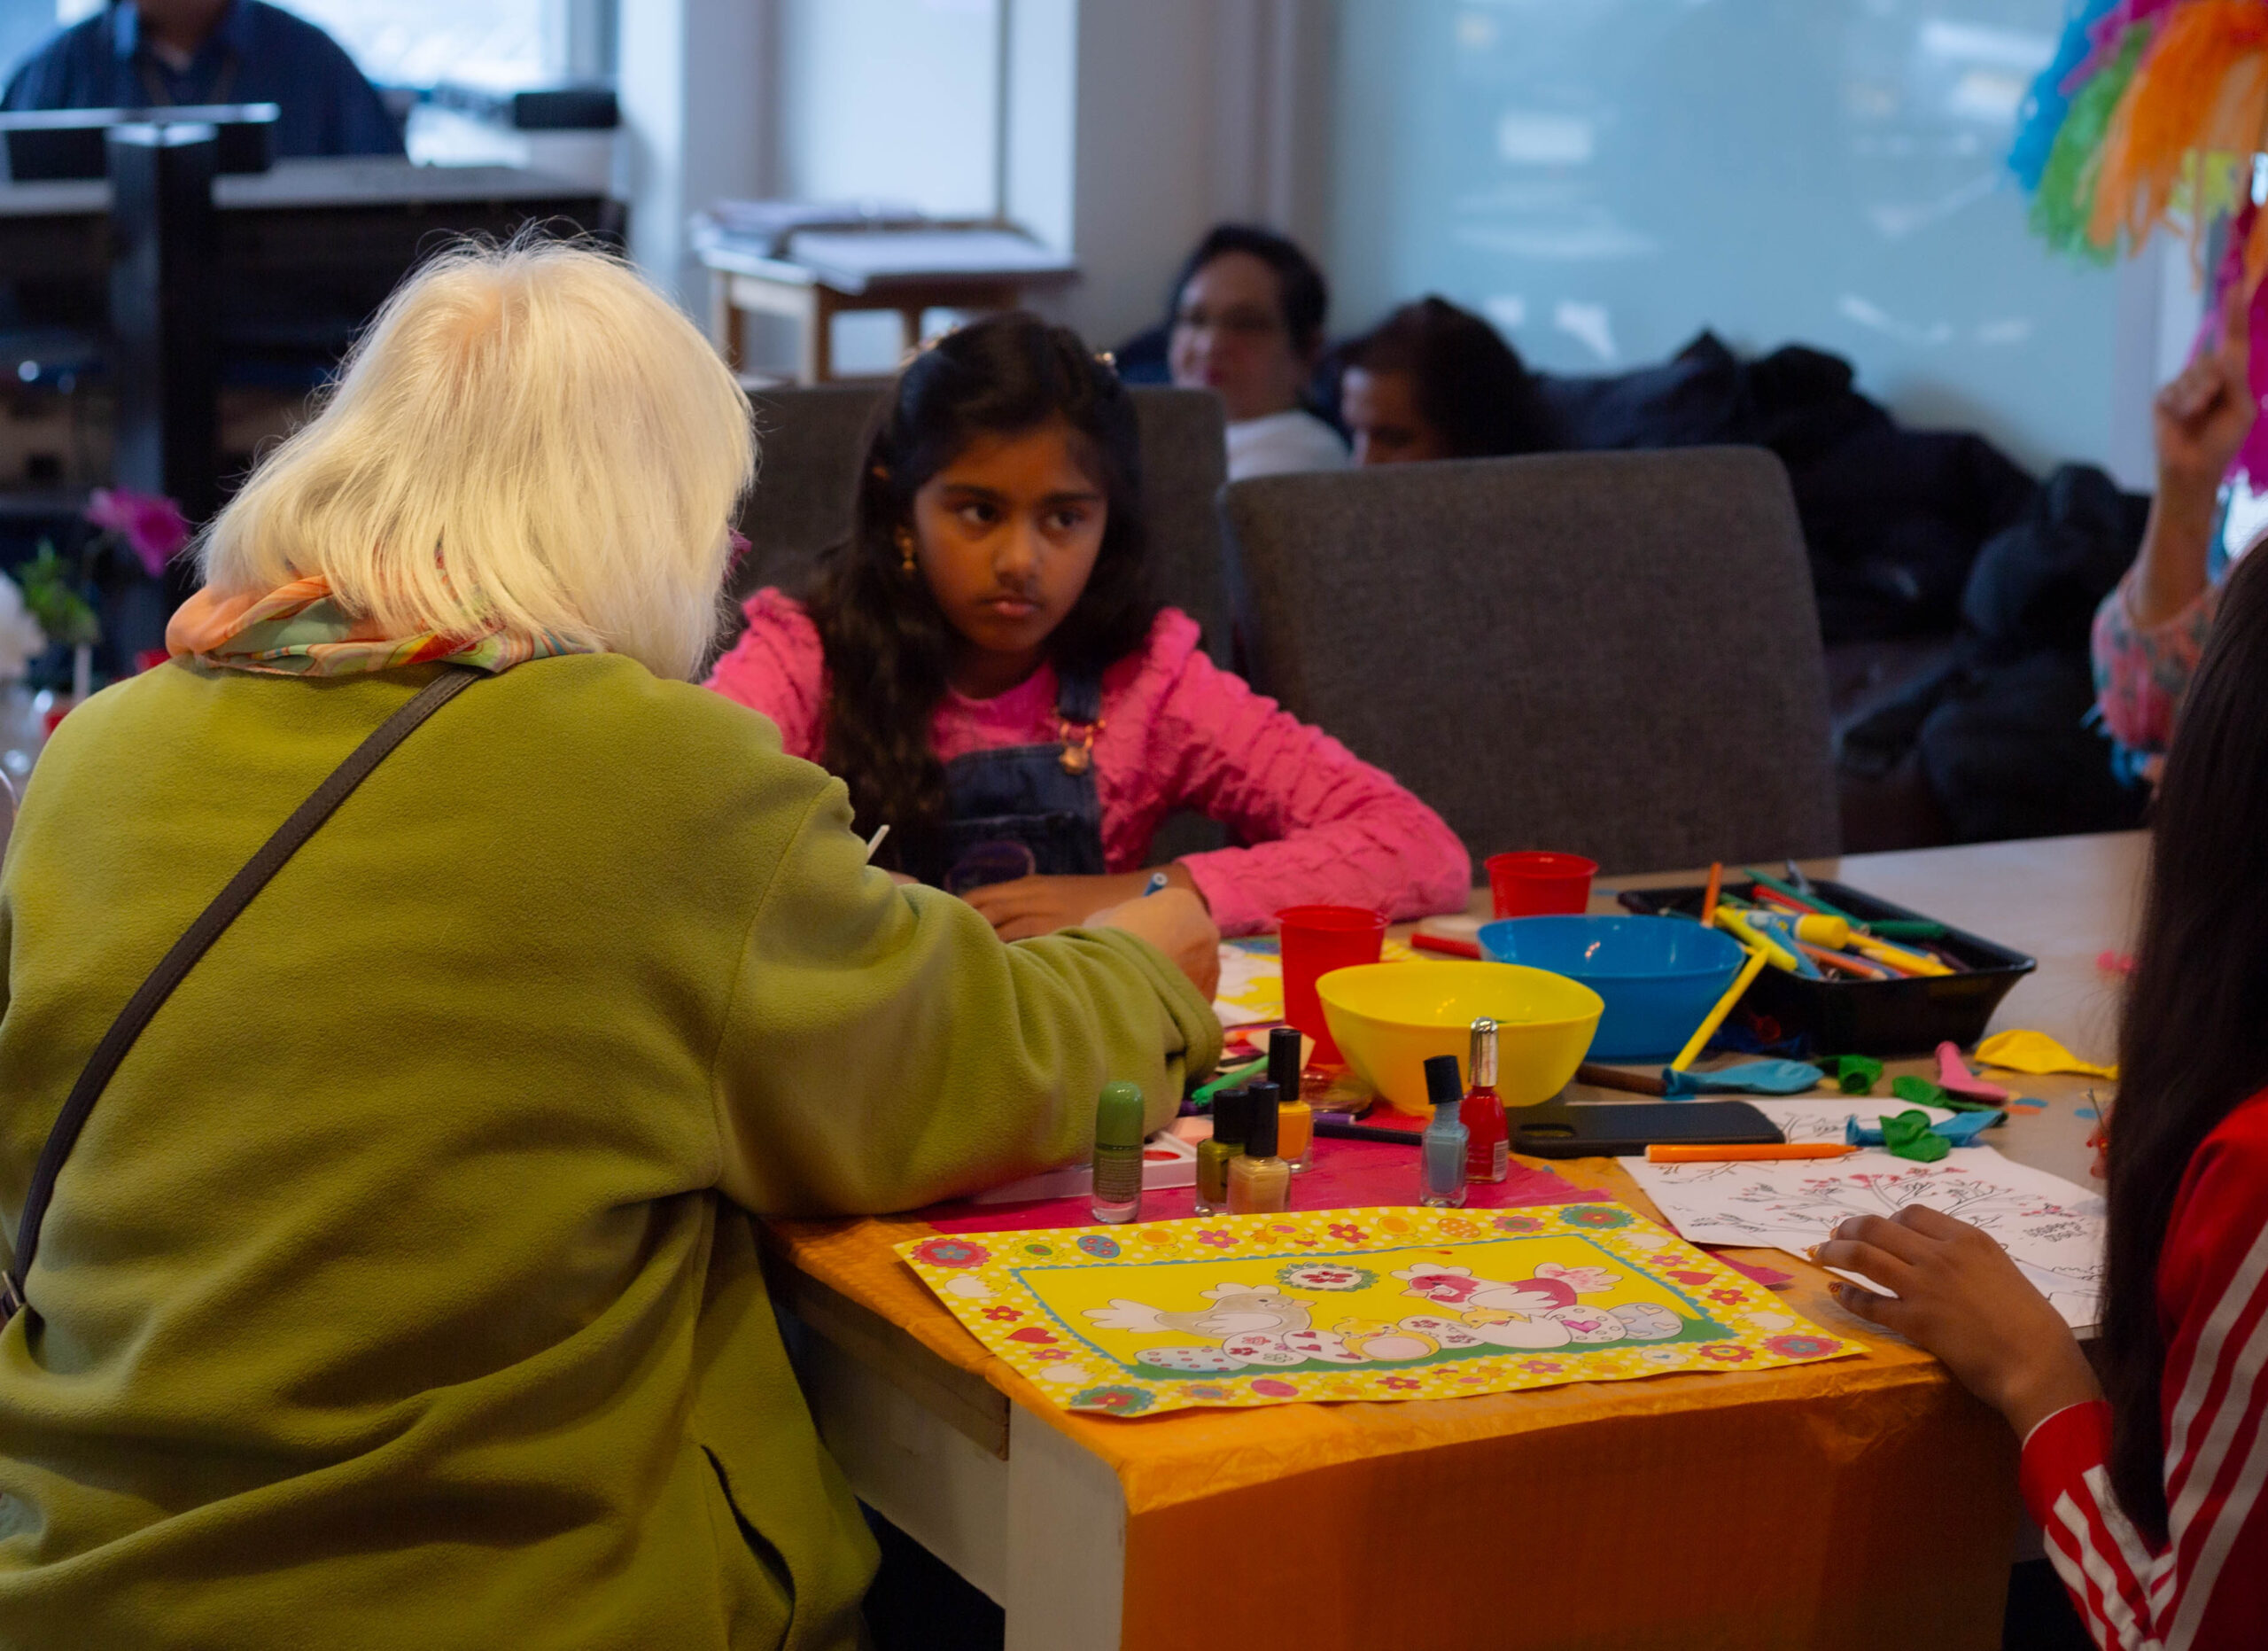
1284 1062
1444 1083
1260 1120
1229 1115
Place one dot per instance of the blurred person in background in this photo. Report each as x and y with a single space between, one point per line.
1433 381
1246 323
157 54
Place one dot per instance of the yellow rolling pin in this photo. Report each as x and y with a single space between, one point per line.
1716 1017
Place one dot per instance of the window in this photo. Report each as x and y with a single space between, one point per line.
416 43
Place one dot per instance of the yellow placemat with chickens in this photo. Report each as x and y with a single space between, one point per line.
1384 1304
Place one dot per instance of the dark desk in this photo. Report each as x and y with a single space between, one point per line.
306 251
363 221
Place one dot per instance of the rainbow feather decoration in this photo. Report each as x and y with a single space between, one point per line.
2157 107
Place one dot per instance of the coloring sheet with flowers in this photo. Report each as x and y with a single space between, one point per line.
2053 1229
1354 1305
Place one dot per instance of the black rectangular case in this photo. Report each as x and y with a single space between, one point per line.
1604 1129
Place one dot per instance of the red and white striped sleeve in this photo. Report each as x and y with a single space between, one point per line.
2207 1590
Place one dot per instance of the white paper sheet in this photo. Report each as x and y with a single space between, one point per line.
2052 1228
1823 1117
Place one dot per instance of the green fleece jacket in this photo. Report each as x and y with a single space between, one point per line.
401 1291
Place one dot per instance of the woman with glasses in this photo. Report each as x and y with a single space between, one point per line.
1247 324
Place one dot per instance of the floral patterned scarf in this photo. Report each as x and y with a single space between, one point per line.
299 629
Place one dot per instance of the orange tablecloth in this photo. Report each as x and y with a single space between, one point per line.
1863 1502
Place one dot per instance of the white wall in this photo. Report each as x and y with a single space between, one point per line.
1134 125
890 99
697 112
1604 179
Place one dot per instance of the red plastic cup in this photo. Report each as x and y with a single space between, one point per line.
1317 939
1533 883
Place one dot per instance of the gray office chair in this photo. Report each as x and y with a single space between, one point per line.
811 438
1614 654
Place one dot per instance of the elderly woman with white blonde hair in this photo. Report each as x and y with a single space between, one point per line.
386 1266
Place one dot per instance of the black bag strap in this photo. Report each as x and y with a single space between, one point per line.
177 963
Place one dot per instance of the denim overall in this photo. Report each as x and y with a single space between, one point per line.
1042 796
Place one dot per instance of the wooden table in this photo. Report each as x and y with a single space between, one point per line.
743 282
1862 1502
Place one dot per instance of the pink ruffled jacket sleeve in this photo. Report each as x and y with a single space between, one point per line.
1323 825
1178 732
779 667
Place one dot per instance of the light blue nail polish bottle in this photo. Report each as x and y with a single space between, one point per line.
1440 1153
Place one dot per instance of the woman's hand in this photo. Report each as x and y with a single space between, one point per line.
1175 921
2200 420
1962 1297
1029 905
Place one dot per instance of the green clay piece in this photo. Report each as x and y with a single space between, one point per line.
1907 1135
1921 1092
1857 1074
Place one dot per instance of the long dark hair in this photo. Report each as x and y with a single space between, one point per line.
889 646
2192 1041
1471 386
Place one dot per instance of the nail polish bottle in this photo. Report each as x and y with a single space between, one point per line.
1487 1153
1440 1151
1295 1117
1117 1195
1214 1156
1260 1183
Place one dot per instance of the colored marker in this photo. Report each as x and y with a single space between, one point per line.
1662 1152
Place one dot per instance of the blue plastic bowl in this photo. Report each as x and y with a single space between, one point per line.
1658 975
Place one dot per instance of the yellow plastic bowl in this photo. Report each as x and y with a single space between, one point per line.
1387 1018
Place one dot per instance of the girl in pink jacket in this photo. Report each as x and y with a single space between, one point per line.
981 664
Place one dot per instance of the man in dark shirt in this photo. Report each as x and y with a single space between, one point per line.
146 54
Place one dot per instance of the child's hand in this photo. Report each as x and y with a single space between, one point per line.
1962 1297
1175 921
1029 905
2202 417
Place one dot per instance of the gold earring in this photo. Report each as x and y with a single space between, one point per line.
905 549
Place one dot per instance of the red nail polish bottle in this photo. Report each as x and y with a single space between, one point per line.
1488 1155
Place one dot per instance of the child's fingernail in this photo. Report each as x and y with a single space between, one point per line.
1812 1254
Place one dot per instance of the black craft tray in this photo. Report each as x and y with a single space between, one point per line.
1911 1016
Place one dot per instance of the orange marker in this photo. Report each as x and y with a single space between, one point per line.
1709 900
1664 1153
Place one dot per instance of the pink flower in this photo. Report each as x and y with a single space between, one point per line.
1347 1231
1725 1354
1543 1366
1730 1295
1216 1237
150 524
1397 1382
1802 1346
1002 1313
